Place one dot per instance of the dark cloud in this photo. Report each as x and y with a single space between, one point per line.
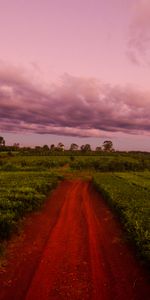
74 107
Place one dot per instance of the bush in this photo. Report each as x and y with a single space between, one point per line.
7 224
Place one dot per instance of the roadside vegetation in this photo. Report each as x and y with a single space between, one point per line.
129 195
22 192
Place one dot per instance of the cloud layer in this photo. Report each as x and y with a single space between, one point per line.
139 35
75 106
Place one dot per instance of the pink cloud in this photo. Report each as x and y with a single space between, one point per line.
76 106
139 34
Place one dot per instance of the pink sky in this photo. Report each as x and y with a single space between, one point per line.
75 70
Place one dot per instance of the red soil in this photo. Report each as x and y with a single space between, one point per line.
73 249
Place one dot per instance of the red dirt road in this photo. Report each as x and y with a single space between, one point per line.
73 249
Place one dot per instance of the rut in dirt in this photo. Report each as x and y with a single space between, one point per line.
84 255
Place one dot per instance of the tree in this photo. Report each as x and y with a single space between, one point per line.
52 147
38 148
2 141
85 148
45 148
108 146
16 145
74 147
60 147
98 149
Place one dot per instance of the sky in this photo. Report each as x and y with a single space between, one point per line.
75 71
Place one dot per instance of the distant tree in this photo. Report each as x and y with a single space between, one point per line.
98 149
16 145
2 141
45 148
60 147
108 146
88 147
82 147
38 148
27 148
74 147
52 147
85 148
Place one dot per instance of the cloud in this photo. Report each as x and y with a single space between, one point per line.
139 34
74 106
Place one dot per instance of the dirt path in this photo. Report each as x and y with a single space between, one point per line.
73 249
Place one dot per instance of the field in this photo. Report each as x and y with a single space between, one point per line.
31 163
22 192
129 195
102 162
106 162
74 246
122 178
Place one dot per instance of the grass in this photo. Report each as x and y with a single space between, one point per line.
25 181
129 196
22 192
31 163
114 163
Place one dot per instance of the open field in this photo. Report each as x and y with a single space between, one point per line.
102 162
129 194
31 163
122 179
26 180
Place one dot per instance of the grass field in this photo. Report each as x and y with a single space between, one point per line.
103 162
123 179
129 195
22 192
31 163
111 162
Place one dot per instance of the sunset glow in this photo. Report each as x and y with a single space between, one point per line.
75 71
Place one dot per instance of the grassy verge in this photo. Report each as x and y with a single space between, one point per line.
22 192
129 195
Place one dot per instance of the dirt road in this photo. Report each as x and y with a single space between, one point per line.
73 249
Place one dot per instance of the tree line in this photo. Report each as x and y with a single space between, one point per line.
107 146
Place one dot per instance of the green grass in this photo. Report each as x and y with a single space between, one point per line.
137 179
104 163
22 192
31 163
129 195
25 181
